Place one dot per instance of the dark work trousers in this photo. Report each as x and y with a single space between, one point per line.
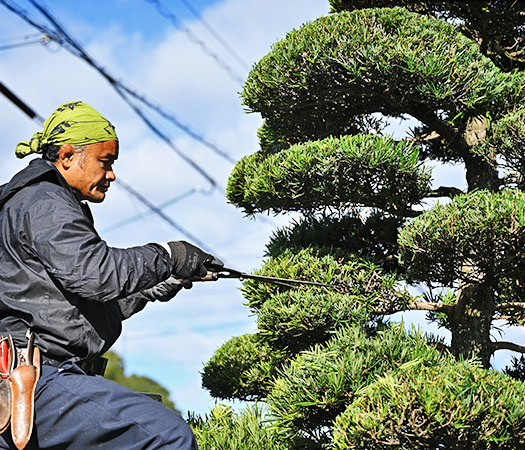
75 411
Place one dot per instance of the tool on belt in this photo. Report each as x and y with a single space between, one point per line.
224 272
20 371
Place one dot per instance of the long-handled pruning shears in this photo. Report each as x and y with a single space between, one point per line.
224 272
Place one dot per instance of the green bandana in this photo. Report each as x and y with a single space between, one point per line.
74 123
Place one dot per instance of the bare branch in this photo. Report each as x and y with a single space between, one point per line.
503 317
402 213
425 137
508 346
416 306
511 305
444 191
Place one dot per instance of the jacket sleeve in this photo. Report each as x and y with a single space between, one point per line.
58 234
162 292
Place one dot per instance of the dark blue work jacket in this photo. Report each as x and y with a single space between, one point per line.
58 277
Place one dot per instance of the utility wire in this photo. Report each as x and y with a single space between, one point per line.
165 138
160 213
26 37
158 109
166 13
216 35
10 95
27 40
25 15
120 87
67 41
141 216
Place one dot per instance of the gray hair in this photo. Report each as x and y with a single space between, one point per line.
50 151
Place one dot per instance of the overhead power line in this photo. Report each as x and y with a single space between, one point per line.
216 35
160 213
167 14
10 95
119 86
27 40
141 216
66 40
24 15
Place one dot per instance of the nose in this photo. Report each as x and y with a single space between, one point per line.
110 175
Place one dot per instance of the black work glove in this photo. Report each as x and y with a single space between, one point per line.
163 291
190 261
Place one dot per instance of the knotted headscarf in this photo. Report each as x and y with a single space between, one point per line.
74 123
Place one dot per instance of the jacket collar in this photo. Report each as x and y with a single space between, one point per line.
37 171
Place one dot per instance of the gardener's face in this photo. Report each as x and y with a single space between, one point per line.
89 172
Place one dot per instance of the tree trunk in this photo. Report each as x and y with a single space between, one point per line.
473 314
481 174
470 322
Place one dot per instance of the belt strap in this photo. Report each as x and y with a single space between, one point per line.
96 366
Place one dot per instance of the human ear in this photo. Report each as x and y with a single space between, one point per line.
65 156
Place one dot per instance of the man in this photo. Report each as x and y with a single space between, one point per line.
63 285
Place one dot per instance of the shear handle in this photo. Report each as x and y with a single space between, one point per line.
230 273
214 275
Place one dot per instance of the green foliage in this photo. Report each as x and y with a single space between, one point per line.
297 319
517 368
365 169
325 356
357 277
320 383
270 141
480 229
444 297
225 430
507 138
115 372
241 368
317 81
114 368
291 319
452 406
496 25
373 237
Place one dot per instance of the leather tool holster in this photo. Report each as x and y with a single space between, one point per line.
20 371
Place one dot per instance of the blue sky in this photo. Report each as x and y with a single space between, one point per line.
182 69
185 70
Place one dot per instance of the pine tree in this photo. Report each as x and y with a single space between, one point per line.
330 366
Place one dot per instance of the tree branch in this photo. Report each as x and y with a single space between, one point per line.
445 191
416 306
401 213
503 345
504 306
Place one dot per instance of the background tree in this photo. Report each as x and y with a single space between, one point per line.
330 367
115 372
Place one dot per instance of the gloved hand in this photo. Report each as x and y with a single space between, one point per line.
190 261
164 291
